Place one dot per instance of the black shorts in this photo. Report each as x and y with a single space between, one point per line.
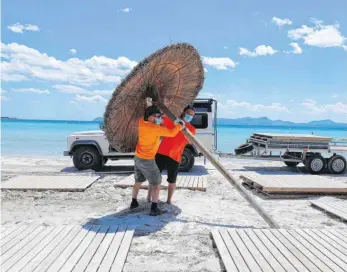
167 163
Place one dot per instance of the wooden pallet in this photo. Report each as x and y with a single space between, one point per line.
190 182
279 250
335 206
295 183
64 248
49 182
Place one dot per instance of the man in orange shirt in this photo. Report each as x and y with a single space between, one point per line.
150 131
170 151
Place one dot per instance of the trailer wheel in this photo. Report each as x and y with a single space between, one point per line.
337 164
315 164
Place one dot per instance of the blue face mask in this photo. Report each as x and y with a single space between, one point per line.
158 120
188 118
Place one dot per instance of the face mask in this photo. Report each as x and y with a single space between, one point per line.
188 118
158 120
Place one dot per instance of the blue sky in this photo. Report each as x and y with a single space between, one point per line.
281 59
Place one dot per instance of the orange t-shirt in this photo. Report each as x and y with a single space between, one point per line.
149 138
174 146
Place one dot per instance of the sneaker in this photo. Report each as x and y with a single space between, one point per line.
134 204
156 212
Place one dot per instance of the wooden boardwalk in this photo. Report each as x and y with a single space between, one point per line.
64 248
49 182
279 250
335 206
190 182
296 183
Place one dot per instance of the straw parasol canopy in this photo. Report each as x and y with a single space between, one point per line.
175 73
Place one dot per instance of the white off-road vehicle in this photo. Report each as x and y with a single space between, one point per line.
91 150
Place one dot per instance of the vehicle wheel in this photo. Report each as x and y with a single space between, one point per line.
292 155
87 157
291 164
187 162
337 164
245 148
315 164
105 159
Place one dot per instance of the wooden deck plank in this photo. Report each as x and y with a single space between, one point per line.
102 249
342 237
17 233
247 256
328 239
57 251
295 251
112 251
275 265
330 209
335 238
79 251
10 262
5 231
91 249
69 249
318 251
19 245
275 252
47 250
122 253
223 251
36 249
285 251
234 252
306 251
335 255
259 258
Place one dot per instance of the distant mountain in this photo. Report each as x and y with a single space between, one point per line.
264 121
99 119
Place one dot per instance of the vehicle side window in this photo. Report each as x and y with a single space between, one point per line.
200 121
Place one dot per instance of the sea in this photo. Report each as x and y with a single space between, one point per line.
48 137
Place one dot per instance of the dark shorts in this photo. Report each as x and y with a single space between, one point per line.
167 163
146 170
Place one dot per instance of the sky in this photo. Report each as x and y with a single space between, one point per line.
280 59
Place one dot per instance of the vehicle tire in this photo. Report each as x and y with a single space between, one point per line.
292 155
87 157
245 148
315 164
187 162
337 164
105 159
291 164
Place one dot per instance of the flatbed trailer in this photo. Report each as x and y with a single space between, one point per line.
294 149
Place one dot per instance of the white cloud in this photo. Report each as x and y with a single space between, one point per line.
219 63
26 63
126 10
4 98
73 51
71 89
319 35
225 47
335 95
257 107
296 48
18 28
344 47
261 50
205 70
95 98
281 22
315 108
32 90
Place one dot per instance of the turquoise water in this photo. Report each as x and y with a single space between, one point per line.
48 138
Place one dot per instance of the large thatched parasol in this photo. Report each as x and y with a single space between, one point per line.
175 72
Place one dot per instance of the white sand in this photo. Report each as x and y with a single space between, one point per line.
176 241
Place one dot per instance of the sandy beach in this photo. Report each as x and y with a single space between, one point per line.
176 241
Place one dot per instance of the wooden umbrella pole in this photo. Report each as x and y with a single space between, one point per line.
231 179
